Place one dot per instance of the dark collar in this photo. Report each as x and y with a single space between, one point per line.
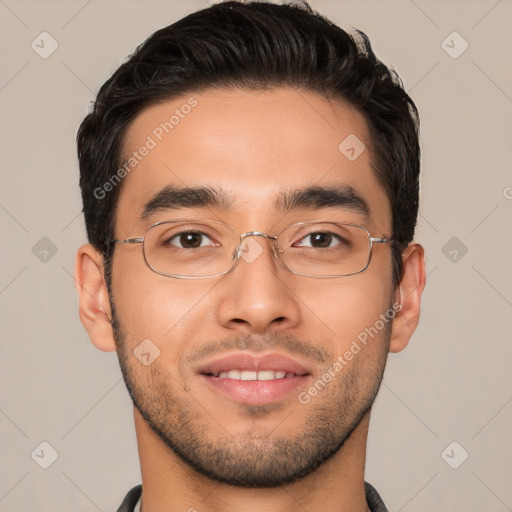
372 498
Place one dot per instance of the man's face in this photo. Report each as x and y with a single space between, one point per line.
258 317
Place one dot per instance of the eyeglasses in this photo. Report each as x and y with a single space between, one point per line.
197 249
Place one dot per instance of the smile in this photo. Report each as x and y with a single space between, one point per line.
255 379
252 375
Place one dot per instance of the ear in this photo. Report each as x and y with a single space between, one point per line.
94 306
408 295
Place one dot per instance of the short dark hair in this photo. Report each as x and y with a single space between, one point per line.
257 46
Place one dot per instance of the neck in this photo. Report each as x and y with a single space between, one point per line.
171 485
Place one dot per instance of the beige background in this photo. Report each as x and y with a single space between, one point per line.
453 382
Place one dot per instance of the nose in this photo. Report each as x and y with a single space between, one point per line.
256 296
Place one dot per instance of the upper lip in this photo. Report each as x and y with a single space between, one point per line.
259 362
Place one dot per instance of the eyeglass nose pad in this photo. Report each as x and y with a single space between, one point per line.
249 249
237 252
275 250
241 249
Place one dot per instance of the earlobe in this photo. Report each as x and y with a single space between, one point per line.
94 305
408 295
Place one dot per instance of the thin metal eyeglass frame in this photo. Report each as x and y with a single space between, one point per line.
237 251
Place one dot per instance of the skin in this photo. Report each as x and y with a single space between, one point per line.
252 145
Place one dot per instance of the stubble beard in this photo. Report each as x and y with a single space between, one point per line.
254 458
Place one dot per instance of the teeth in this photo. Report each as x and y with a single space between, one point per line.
253 375
267 375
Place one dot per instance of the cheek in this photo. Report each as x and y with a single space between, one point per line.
165 310
343 308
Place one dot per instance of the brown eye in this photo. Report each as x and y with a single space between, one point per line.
190 240
320 240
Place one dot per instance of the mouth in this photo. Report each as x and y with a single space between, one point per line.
254 379
253 375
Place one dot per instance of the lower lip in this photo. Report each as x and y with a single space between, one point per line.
256 392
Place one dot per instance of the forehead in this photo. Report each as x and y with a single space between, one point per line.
252 145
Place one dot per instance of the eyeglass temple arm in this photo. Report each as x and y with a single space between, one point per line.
129 241
380 240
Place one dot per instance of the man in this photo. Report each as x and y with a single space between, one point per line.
250 187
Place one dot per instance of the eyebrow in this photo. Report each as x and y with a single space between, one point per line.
341 196
172 197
